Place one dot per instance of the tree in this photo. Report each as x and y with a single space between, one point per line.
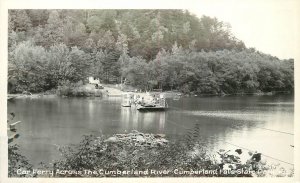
122 44
59 66
166 49
18 21
107 42
26 68
136 72
53 32
38 17
80 61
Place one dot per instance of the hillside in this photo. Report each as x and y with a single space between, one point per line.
167 49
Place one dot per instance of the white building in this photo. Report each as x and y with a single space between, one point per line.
93 80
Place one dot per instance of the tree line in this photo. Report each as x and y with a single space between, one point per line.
147 49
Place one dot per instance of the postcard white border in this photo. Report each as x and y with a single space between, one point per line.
124 4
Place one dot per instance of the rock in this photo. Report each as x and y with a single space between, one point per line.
141 134
160 144
126 138
263 162
159 136
111 139
163 140
239 151
119 135
256 157
140 138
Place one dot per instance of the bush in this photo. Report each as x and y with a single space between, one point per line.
95 156
76 90
17 161
95 153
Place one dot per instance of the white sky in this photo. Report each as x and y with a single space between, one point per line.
271 26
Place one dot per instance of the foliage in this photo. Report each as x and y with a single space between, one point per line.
218 72
69 89
26 68
189 153
186 153
32 68
95 153
172 49
17 161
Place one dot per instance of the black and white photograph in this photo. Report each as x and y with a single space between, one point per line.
202 91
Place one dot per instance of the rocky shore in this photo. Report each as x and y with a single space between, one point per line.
31 96
139 139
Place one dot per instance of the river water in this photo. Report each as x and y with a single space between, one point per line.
259 123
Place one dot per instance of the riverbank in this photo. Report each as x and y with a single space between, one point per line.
138 154
88 90
118 89
35 95
110 90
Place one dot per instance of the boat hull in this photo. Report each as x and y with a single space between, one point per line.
149 109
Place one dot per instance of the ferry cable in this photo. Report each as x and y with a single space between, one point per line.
288 133
235 145
275 130
238 145
261 153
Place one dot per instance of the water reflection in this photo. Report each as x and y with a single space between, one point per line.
48 122
132 119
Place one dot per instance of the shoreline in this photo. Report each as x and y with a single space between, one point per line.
35 95
170 94
116 91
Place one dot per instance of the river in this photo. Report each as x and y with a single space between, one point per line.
259 123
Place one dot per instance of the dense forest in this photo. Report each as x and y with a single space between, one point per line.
147 49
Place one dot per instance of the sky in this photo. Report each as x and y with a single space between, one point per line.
270 26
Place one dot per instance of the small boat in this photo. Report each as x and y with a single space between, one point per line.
9 98
12 126
12 131
150 108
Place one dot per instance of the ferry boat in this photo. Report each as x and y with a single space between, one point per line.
157 104
145 103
